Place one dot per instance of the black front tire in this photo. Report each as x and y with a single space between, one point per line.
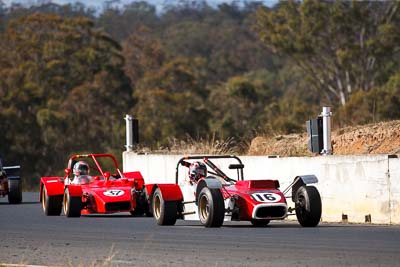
211 207
260 223
52 205
165 212
72 205
142 206
14 191
308 206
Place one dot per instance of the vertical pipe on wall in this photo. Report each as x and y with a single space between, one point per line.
326 124
129 133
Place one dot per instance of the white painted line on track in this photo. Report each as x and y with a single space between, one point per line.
23 265
123 262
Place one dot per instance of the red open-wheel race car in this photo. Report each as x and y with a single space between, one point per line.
93 183
211 196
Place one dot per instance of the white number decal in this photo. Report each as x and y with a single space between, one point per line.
266 197
113 193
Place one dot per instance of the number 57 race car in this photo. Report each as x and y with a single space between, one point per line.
93 183
212 196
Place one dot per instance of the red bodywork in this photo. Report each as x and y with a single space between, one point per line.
108 191
246 200
256 199
170 192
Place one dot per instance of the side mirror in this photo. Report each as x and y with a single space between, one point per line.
107 175
236 166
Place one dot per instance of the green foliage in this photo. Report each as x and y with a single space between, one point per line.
378 104
62 91
342 46
237 106
171 101
121 23
143 53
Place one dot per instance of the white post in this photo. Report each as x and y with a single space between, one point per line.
129 133
326 129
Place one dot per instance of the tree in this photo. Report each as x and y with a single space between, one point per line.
2 15
143 53
222 36
237 106
171 102
123 22
379 104
342 46
63 90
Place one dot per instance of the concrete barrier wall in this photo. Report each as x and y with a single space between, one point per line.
394 186
358 187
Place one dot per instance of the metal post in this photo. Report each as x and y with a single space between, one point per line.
326 125
129 133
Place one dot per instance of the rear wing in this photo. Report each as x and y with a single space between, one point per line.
12 172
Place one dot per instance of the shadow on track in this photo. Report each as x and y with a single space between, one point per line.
21 204
107 216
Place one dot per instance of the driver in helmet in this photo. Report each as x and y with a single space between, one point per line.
81 173
197 170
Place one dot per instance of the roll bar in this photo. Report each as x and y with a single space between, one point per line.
206 160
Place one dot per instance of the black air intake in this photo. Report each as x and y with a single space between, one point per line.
271 212
118 206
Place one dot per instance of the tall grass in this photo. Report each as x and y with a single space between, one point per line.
210 145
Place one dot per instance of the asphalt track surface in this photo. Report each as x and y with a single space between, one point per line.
27 236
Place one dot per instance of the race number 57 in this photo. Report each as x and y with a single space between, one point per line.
113 193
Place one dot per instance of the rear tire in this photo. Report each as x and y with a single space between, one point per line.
211 207
165 212
260 223
14 191
308 206
72 205
51 204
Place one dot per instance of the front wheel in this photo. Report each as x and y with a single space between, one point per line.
165 212
72 205
211 207
142 206
308 206
14 191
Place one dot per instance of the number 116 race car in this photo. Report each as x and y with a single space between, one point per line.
211 196
93 183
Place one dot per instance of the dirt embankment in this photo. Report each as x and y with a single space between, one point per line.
380 138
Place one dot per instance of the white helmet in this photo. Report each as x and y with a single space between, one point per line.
81 168
197 170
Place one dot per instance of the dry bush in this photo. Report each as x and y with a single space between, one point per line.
210 146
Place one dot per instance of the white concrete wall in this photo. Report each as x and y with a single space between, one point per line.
394 185
352 185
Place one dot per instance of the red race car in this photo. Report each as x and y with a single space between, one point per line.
93 183
212 196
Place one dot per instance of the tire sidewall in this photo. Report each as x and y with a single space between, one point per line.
52 205
45 201
71 205
216 205
205 193
165 212
158 203
66 203
309 214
